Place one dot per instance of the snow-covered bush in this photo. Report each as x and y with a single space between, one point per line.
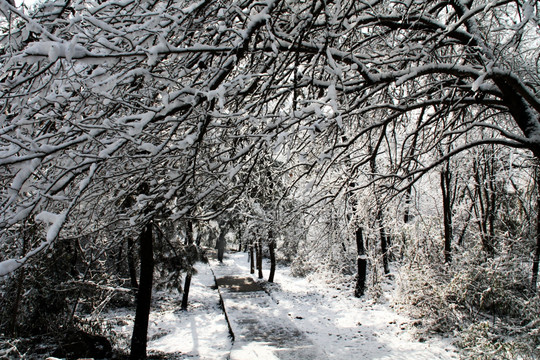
485 301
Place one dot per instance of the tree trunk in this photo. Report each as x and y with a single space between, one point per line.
384 243
536 260
362 264
144 296
380 217
131 264
220 245
12 327
252 258
185 295
447 213
272 248
187 283
259 258
407 214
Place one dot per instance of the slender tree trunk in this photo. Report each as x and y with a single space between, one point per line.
131 264
360 287
272 248
407 214
144 295
380 217
187 283
536 260
259 258
12 327
185 294
252 258
384 243
221 243
447 213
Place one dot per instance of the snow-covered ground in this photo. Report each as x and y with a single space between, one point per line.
341 325
345 326
201 332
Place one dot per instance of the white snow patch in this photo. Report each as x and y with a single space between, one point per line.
8 266
55 220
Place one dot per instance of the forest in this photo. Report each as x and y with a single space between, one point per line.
363 143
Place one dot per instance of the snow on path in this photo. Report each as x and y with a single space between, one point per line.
261 329
201 332
342 326
345 326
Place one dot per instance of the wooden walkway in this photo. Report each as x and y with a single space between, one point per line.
260 329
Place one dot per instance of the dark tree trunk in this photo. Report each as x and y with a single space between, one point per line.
12 327
361 262
185 294
272 249
131 264
384 243
380 216
407 215
252 258
259 258
144 296
447 213
187 283
220 245
536 260
483 210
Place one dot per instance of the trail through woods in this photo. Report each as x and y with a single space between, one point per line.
338 325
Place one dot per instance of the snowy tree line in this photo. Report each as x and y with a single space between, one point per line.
363 137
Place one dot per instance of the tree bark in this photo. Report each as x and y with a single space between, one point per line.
360 287
131 265
447 213
144 295
185 295
536 260
187 283
384 243
220 245
407 214
259 258
252 258
272 248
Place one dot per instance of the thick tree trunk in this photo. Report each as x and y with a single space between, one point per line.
447 214
536 260
131 265
360 287
272 248
144 295
259 258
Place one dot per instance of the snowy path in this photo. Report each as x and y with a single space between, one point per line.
339 324
199 333
261 329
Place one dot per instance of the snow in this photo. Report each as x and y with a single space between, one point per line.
343 325
339 324
8 266
56 221
201 332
